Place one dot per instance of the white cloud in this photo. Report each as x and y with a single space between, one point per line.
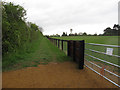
56 16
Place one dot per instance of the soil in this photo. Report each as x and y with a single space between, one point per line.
54 75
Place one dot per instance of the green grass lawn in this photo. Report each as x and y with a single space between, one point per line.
45 52
112 40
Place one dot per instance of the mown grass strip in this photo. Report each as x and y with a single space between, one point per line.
44 53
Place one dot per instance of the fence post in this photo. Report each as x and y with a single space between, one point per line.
62 44
81 51
58 43
74 50
51 40
54 41
68 48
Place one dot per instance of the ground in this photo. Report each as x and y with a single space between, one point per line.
49 67
54 75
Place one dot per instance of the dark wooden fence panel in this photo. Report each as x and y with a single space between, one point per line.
58 43
75 50
62 44
68 48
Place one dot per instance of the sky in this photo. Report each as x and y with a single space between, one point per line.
58 16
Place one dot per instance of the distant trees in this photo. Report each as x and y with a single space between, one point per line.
57 35
84 34
95 34
71 35
54 35
64 34
115 31
112 32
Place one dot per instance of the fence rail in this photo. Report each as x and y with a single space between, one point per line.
102 52
97 54
103 45
103 60
102 75
104 69
77 50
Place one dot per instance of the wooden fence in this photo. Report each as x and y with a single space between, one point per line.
75 49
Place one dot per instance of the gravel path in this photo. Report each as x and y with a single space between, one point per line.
54 75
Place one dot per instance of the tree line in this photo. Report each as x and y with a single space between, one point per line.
115 31
16 32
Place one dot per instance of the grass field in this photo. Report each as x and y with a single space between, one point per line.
112 40
109 40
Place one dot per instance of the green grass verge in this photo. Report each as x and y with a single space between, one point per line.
42 52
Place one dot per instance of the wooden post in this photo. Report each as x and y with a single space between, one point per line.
74 50
54 41
58 43
50 39
81 57
62 44
68 48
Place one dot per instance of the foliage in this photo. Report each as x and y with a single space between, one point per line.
17 34
84 34
64 34
57 35
112 32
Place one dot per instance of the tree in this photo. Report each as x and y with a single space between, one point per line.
71 30
64 34
80 33
84 34
116 27
76 34
100 34
13 25
112 32
15 31
95 34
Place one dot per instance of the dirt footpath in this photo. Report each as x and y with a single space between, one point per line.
54 75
